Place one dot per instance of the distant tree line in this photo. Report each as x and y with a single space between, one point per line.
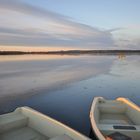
73 52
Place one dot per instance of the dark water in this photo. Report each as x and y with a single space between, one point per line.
63 87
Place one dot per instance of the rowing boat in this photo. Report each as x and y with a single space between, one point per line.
115 119
27 124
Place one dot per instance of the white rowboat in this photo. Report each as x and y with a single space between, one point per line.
27 124
112 119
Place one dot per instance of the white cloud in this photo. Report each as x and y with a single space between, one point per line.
27 25
23 24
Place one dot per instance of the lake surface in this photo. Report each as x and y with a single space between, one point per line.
63 87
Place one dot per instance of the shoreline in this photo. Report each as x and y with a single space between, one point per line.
73 52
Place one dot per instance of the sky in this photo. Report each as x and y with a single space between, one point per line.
69 24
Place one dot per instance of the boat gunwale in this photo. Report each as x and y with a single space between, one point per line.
129 103
92 120
53 120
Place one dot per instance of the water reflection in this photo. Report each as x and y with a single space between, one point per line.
49 74
121 56
64 88
4 58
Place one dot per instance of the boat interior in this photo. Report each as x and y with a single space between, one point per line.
24 124
114 116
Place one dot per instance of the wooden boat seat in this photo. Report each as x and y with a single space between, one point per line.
11 121
110 127
109 118
24 133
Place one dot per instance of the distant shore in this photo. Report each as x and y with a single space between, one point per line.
73 52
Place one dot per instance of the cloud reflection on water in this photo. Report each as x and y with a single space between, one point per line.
30 74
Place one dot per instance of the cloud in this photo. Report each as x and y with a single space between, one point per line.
52 29
10 36
127 37
114 30
19 6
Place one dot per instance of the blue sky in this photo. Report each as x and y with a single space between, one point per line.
77 24
101 13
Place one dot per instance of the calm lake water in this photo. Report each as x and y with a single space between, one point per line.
63 87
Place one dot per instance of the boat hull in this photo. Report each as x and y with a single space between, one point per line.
26 124
110 118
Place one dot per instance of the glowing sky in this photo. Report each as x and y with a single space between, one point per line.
77 24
